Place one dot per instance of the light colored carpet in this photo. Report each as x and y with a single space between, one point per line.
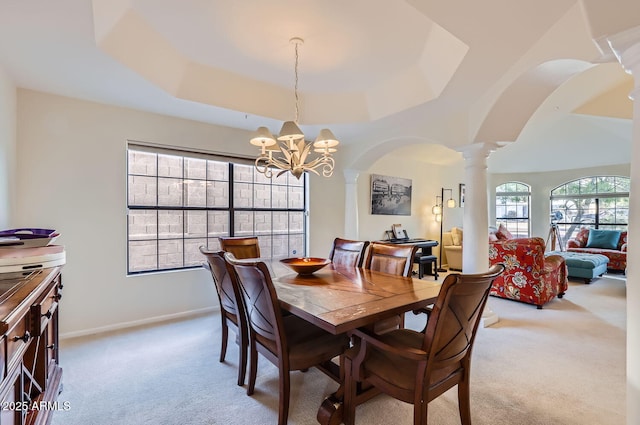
562 365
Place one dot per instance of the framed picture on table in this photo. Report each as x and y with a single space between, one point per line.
462 193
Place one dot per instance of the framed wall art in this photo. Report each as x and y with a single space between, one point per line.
462 193
390 195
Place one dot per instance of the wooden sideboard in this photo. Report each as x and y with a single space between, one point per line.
31 376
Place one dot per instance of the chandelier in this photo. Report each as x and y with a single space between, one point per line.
290 151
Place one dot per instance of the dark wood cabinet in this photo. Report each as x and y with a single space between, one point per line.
31 375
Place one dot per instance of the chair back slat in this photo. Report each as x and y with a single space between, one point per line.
347 253
390 258
455 317
259 296
241 247
221 279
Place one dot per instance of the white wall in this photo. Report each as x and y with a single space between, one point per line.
541 186
71 177
427 180
7 148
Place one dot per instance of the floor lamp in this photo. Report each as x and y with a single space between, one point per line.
438 210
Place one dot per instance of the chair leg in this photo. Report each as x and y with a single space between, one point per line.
225 336
420 413
463 401
253 367
285 385
242 367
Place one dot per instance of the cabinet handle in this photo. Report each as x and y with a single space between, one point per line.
57 297
51 347
48 314
24 338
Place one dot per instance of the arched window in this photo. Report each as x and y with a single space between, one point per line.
512 207
601 202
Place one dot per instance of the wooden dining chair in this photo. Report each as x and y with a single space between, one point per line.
418 367
393 259
241 247
390 258
231 307
348 253
289 342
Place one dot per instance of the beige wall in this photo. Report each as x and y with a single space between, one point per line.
72 177
541 186
7 148
427 180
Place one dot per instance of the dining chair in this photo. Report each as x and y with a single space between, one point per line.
393 259
241 247
417 367
231 307
348 253
288 342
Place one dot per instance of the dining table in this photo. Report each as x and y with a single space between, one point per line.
340 300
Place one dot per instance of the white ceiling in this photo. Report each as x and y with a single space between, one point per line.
391 70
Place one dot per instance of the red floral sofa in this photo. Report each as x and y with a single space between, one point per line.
529 276
617 257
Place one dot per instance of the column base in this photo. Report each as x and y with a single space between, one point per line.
489 317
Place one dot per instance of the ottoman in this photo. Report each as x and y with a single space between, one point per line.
585 266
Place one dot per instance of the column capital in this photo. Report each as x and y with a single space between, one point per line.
480 150
351 175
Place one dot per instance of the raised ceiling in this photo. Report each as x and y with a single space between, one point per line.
377 70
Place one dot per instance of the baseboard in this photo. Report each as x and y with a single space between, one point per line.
141 322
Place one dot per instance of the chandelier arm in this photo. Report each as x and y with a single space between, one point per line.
264 169
327 168
279 163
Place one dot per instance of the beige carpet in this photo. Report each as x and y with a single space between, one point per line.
562 365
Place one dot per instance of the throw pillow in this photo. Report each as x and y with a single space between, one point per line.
456 236
582 236
503 233
493 237
606 239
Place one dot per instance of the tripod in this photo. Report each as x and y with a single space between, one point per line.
554 234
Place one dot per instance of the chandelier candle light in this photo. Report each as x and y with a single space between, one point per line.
290 152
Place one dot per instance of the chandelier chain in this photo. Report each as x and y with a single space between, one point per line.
295 87
290 152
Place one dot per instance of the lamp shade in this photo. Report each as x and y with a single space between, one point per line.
451 203
290 132
262 137
437 209
325 139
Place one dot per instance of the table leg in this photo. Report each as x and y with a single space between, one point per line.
331 411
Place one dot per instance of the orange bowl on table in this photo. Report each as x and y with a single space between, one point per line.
305 265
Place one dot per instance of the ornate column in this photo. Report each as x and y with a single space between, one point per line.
475 249
351 204
626 47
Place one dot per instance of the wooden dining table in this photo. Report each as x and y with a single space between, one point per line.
340 300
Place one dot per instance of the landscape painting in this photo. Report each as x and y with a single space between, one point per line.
390 195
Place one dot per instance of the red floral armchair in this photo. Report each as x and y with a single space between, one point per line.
529 277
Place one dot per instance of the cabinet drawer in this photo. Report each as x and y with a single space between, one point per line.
17 340
42 311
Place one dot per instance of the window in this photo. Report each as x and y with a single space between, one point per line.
178 201
512 207
601 202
